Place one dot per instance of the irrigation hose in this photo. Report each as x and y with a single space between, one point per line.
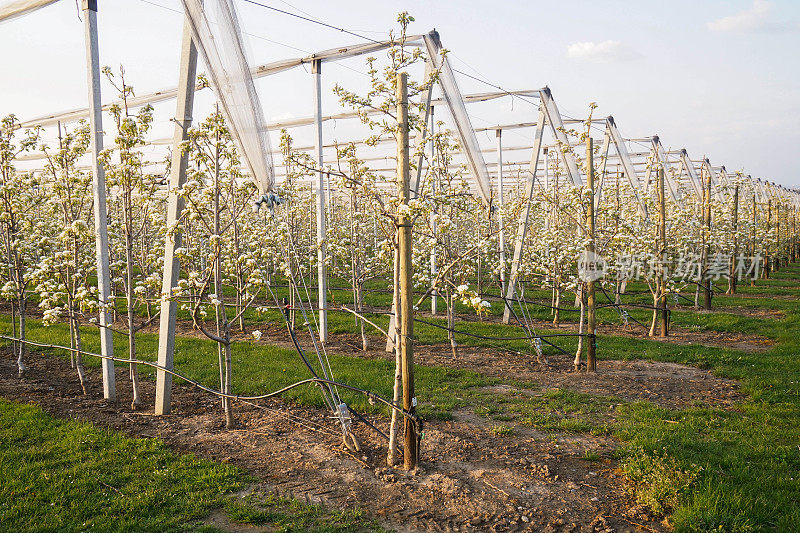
319 381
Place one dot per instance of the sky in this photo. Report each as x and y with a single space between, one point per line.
719 78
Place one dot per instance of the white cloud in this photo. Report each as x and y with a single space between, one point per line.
603 52
757 18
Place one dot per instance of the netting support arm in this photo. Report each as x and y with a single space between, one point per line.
522 226
180 162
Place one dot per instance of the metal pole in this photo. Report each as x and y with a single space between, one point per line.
591 351
322 273
172 267
500 203
524 215
406 275
99 193
662 237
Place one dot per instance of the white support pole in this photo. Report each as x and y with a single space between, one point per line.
434 188
522 226
648 176
172 267
548 114
99 191
322 272
501 238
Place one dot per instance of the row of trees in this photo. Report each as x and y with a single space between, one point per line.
232 251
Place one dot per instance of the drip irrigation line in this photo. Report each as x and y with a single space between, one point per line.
685 298
368 423
478 336
308 424
236 397
618 307
307 363
546 306
560 349
637 306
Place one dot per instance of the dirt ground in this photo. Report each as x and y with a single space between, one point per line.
669 385
472 479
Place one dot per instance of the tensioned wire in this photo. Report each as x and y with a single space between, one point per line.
315 20
369 394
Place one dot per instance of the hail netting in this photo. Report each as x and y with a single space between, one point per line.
18 8
466 135
222 49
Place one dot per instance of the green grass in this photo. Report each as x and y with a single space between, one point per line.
71 476
749 457
64 475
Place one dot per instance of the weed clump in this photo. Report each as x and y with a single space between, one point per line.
657 479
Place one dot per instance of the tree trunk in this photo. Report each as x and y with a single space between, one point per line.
654 321
451 322
130 296
557 307
22 349
577 362
79 354
360 309
71 344
397 422
230 423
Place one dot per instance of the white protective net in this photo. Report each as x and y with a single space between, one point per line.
18 8
466 135
222 48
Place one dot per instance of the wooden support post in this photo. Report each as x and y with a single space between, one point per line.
794 235
753 237
322 271
404 223
172 267
735 227
591 350
500 223
777 236
767 247
707 242
434 188
99 196
662 252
